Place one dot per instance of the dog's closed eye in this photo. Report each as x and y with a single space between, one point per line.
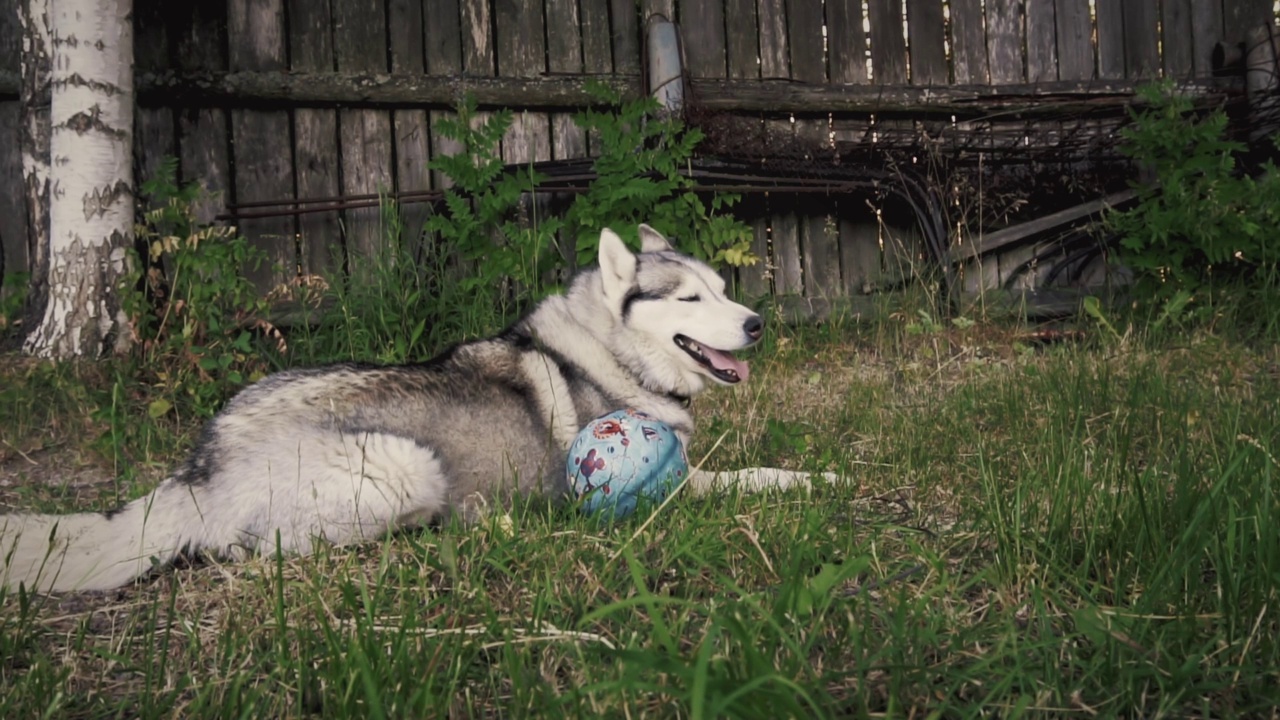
691 298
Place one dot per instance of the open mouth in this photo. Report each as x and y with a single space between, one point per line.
722 366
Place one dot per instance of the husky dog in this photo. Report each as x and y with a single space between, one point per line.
352 451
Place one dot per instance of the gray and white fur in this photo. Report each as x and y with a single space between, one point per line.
351 452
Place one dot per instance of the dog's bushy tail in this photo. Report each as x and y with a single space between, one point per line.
98 551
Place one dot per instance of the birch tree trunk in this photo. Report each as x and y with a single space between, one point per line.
33 139
91 199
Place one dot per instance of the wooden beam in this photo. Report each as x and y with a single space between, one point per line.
278 88
1022 231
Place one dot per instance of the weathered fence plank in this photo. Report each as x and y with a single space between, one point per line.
444 57
262 171
315 139
364 134
1206 24
819 236
1110 29
846 42
1141 39
888 46
13 217
927 43
522 53
565 55
202 132
703 36
625 26
787 271
1004 41
1177 41
775 62
969 42
1074 39
153 131
410 130
1042 52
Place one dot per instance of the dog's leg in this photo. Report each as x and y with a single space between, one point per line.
756 479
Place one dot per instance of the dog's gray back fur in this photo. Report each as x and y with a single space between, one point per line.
352 451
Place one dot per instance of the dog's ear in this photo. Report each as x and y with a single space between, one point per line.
617 266
652 241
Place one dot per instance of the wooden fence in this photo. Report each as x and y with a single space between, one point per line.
275 100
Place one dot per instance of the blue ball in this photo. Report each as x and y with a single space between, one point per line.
624 457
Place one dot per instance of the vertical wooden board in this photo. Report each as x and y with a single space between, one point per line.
364 138
476 28
315 141
775 55
364 135
860 270
903 251
13 220
153 129
1206 25
444 34
787 272
597 43
13 215
625 25
742 41
1176 42
262 169
410 132
888 46
522 53
969 42
702 32
520 38
154 140
201 44
1239 17
805 24
315 148
926 42
1074 39
1110 33
565 55
1005 41
203 159
846 42
1141 39
819 243
1042 52
754 279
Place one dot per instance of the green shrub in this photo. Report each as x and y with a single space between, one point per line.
1204 225
194 313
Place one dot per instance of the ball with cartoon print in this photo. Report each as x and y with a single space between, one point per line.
622 458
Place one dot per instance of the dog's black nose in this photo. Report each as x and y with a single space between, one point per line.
753 327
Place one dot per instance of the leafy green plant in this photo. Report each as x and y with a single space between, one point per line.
488 224
194 312
638 179
1205 223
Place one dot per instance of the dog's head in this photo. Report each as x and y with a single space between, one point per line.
679 324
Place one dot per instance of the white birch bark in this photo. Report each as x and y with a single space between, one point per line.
91 198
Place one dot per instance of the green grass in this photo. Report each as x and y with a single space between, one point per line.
1072 530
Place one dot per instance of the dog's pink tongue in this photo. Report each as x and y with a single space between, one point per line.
724 361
